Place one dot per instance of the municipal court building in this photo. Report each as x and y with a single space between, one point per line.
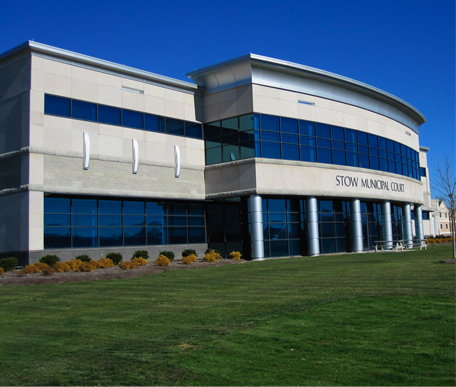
255 154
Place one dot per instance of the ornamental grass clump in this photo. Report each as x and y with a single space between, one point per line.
235 255
162 261
189 259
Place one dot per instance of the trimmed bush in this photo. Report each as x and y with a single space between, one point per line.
84 258
114 257
235 255
74 264
31 269
8 264
50 260
141 254
212 257
87 266
61 267
139 261
211 250
162 260
168 254
48 270
188 252
104 263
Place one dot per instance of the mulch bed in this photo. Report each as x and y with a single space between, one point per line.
16 278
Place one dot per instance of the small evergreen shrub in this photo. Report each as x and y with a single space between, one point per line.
114 257
50 260
104 263
48 270
84 258
168 254
210 250
188 252
8 264
141 254
235 255
162 260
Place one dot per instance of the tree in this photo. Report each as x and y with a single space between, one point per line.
445 182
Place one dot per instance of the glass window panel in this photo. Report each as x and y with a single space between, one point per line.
323 143
154 123
177 235
290 152
364 161
196 221
84 220
290 138
111 236
212 144
57 237
337 133
279 249
382 143
196 235
308 153
294 230
383 164
363 149
399 168
362 138
108 115
351 147
324 155
212 131
196 209
270 150
390 145
383 154
307 128
338 145
277 205
110 220
84 110
193 130
233 234
230 153
327 230
231 123
311 141
373 140
397 147
57 106
278 231
289 125
174 126
373 151
391 166
177 209
352 159
269 122
134 220
247 122
247 136
177 220
156 235
374 163
56 205
132 119
339 157
156 220
110 206
323 130
56 220
229 136
325 205
84 206
85 237
155 208
270 136
134 236
350 135
133 207
247 149
213 156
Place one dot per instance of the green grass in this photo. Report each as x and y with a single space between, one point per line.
359 319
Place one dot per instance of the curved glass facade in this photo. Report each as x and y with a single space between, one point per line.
262 135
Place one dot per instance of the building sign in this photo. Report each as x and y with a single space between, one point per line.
359 182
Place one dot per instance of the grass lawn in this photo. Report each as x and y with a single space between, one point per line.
357 319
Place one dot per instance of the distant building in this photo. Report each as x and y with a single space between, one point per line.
259 155
442 217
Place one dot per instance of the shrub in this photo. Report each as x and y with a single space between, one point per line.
168 254
140 254
87 266
133 264
62 267
162 260
189 259
8 264
114 257
31 269
235 255
50 260
212 257
74 264
48 270
84 258
40 265
188 252
211 250
139 261
104 263
1 270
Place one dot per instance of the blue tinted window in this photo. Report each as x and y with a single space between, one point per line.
290 138
391 166
338 145
84 220
56 220
230 153
351 147
132 119
177 209
339 157
307 128
337 133
374 163
213 156
84 110
111 236
56 205
154 123
57 106
364 161
247 122
193 130
323 130
390 145
308 140
196 235
110 207
308 153
57 237
323 142
289 125
350 135
155 208
108 115
134 220
352 159
373 140
269 122
84 206
110 220
133 207
85 237
324 155
363 149
134 236
362 138
290 152
271 150
177 235
175 127
382 143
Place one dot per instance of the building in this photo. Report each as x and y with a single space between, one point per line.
442 218
259 155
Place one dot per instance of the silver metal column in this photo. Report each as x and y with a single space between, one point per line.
387 224
357 226
408 238
419 222
312 227
256 227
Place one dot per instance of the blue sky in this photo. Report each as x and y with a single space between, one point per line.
405 47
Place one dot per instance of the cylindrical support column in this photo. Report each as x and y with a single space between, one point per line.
419 222
256 228
357 226
387 224
312 227
408 238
